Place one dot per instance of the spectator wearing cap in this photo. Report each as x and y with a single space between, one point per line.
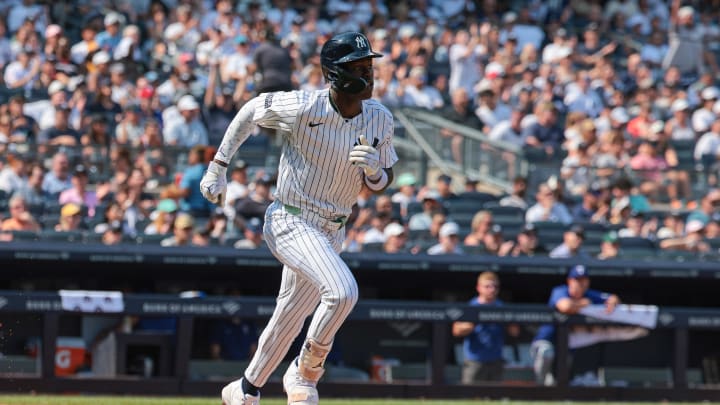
448 241
686 49
544 133
20 217
547 208
58 99
113 213
110 38
58 179
79 193
567 299
187 131
396 239
22 72
571 245
679 126
406 193
374 230
182 231
558 49
526 243
609 246
576 170
692 241
588 209
703 117
257 201
70 218
252 235
591 50
490 108
444 187
163 217
122 89
234 67
459 111
431 203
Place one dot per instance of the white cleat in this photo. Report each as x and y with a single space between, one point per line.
232 394
300 391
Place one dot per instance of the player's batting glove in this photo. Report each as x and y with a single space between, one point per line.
213 185
366 156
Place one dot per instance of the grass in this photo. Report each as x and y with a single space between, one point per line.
129 400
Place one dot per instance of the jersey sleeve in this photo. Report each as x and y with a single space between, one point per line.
597 297
278 110
386 129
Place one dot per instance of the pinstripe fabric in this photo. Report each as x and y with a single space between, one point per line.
315 176
313 273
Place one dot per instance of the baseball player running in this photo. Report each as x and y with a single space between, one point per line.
334 141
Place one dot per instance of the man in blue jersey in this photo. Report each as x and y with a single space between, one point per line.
569 299
483 342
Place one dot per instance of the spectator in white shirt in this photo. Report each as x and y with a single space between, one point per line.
704 116
417 93
23 71
509 130
558 49
547 208
709 143
188 131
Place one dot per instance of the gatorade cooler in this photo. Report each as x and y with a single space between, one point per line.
69 355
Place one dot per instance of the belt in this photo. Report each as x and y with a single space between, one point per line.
297 211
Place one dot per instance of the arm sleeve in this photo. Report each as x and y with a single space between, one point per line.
270 110
388 156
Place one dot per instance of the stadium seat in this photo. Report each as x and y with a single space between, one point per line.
477 196
143 239
25 235
374 247
636 376
345 374
637 242
66 236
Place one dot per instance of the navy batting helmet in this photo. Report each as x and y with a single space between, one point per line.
344 48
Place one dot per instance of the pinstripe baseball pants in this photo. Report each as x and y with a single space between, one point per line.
313 273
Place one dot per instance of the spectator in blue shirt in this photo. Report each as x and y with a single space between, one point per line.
232 339
483 342
191 200
567 299
544 134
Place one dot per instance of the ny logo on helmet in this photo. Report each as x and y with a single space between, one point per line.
360 41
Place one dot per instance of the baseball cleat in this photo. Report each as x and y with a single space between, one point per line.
300 391
232 394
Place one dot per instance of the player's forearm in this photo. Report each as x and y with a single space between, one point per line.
237 132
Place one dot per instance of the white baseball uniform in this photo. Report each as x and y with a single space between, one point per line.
304 228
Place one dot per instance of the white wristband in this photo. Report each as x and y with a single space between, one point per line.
378 184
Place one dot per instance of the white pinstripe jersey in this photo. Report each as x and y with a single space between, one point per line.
314 171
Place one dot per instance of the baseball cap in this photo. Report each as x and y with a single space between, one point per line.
710 93
578 271
112 18
619 114
240 164
254 225
115 226
187 102
69 210
167 205
100 57
449 229
528 228
694 225
55 86
610 237
393 229
445 178
241 39
80 170
679 105
406 179
52 30
431 195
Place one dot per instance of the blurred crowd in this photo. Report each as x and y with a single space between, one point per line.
109 111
